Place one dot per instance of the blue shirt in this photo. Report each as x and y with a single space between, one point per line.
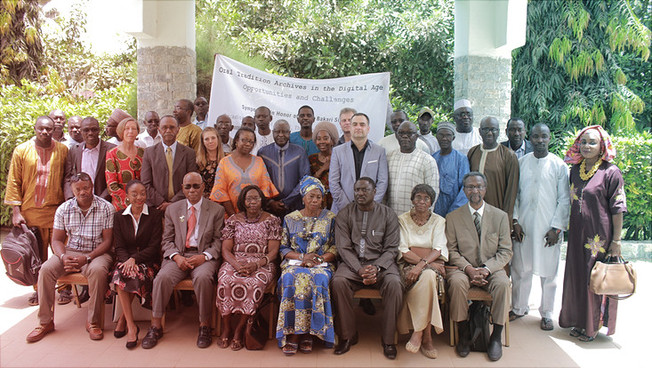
452 168
309 146
286 166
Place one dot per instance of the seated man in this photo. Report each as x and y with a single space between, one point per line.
479 245
367 237
191 247
87 222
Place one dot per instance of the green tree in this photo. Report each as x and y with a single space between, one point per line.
20 41
567 74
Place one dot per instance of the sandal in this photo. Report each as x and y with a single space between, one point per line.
290 348
33 299
430 354
306 345
236 345
576 332
65 297
587 338
223 342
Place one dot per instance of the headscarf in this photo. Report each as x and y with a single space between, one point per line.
309 183
118 115
573 156
328 127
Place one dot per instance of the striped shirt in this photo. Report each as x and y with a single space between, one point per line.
84 232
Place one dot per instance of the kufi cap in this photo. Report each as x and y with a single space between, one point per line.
462 103
446 125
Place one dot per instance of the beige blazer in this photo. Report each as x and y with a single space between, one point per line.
494 250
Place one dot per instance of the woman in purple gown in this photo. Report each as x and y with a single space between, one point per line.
596 222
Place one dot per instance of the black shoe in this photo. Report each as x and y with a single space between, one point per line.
495 350
389 350
463 348
133 344
368 307
83 296
345 345
204 339
152 337
119 334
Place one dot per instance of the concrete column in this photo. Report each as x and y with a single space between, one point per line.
165 31
486 32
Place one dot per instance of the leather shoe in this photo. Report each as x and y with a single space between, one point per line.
495 350
83 296
204 339
152 337
546 324
368 306
345 345
463 348
94 331
389 350
39 332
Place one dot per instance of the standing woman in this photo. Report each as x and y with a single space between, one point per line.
239 170
123 162
209 155
324 135
594 232
137 232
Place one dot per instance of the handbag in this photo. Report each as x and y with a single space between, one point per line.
256 329
613 277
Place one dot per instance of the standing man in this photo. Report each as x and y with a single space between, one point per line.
35 183
516 137
465 136
353 160
59 118
110 129
452 167
201 110
345 123
74 135
540 215
189 133
81 242
408 167
264 136
170 161
303 138
191 247
367 237
479 245
390 143
499 165
424 120
88 157
224 127
249 122
151 135
287 164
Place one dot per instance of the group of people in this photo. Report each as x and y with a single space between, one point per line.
183 199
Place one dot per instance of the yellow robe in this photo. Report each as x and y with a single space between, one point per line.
190 136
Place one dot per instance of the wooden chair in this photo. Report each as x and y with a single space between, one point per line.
74 279
476 294
186 285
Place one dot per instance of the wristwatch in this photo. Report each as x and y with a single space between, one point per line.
206 258
88 259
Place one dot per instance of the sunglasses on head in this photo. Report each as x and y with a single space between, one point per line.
193 186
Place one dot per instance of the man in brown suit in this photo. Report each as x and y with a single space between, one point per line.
479 245
89 157
164 185
191 247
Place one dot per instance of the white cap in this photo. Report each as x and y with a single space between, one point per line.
462 103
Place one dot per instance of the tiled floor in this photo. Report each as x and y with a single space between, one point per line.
69 346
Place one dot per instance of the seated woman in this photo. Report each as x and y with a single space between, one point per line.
308 251
137 232
250 241
422 252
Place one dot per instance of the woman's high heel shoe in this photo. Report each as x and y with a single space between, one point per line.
133 344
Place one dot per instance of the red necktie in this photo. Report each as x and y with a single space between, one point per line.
192 221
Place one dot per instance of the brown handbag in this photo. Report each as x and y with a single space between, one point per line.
256 328
613 277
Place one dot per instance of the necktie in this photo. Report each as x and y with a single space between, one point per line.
477 219
168 158
192 221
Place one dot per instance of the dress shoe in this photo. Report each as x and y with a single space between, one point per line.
389 350
463 348
94 331
495 350
368 307
152 337
204 339
546 324
345 345
39 332
132 344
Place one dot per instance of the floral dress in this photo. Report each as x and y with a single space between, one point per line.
120 170
208 176
306 306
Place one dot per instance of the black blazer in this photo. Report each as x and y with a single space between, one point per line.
73 166
528 145
145 246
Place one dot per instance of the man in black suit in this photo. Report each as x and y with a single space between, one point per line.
516 137
89 157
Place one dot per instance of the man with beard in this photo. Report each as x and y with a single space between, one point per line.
465 136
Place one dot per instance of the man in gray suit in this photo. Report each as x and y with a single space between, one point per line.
170 161
355 159
480 246
191 247
89 157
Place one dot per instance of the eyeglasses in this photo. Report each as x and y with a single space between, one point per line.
281 131
474 187
247 141
193 186
487 130
405 134
465 113
82 176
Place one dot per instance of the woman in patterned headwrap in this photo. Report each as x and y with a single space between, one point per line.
308 253
596 222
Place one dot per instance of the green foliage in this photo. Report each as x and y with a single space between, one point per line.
568 74
20 41
328 39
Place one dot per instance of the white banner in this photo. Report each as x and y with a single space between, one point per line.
239 89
